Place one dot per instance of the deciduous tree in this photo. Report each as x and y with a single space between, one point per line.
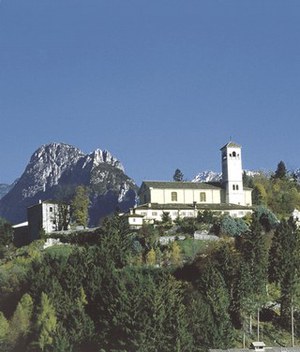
79 206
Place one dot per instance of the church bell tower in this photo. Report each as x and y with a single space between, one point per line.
232 174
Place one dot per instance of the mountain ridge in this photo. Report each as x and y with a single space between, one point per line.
55 169
56 166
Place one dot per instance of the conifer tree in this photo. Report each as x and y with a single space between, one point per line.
117 240
211 283
166 218
178 176
251 289
254 253
20 323
281 171
6 233
4 328
244 296
175 255
284 265
46 322
151 257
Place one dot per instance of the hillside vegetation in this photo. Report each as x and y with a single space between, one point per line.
118 290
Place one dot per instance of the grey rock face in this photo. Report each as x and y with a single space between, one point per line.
46 166
4 189
54 171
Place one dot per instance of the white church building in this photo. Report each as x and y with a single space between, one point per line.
186 199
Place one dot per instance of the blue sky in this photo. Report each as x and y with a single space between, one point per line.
160 84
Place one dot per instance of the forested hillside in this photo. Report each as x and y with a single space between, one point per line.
278 191
115 289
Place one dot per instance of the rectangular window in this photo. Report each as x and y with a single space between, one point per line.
202 197
174 196
154 213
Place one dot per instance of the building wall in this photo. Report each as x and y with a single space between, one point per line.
35 224
184 196
152 214
235 193
189 196
232 175
42 216
248 197
232 164
135 222
50 217
232 192
21 236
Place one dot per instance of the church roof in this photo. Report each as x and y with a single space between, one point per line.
231 144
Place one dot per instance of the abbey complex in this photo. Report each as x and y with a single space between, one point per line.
179 276
186 199
178 199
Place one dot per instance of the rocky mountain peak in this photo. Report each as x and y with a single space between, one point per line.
208 176
58 165
46 166
103 156
55 152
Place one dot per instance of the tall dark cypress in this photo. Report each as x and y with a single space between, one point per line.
284 265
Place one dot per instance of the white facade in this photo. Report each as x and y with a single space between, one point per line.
186 199
232 174
179 193
43 216
153 212
135 220
50 217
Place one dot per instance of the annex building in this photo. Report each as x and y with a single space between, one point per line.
186 199
43 216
